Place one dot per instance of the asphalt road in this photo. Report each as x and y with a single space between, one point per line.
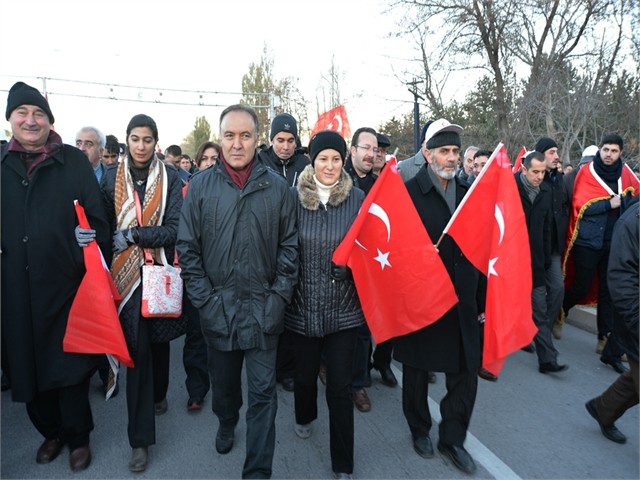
527 425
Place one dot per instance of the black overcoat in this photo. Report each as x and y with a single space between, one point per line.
42 266
452 344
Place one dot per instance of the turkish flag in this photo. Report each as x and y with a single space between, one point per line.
93 325
490 229
336 120
518 162
394 262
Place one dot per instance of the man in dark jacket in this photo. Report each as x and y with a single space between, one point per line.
560 209
601 193
535 196
623 285
238 248
452 344
282 156
42 267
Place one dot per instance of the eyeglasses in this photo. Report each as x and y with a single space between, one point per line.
368 148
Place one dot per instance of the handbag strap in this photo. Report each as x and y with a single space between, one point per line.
148 258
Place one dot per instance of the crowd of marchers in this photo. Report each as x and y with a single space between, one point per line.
254 230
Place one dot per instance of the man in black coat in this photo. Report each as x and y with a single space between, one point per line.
536 204
451 344
42 267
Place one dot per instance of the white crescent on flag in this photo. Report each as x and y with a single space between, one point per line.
500 220
377 211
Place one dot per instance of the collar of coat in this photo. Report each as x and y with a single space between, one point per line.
308 190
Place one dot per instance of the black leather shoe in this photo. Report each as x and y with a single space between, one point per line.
611 432
224 440
615 363
387 376
423 446
552 367
288 384
49 450
459 456
487 375
139 459
80 458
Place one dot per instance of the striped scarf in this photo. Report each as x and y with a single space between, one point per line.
126 265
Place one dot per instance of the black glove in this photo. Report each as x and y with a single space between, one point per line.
84 236
340 272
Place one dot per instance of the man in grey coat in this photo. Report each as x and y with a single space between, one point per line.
238 249
409 167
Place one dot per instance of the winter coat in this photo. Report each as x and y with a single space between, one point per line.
320 305
622 278
289 169
238 249
560 210
409 167
451 344
42 267
539 219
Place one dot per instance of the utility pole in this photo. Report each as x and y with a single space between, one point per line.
416 113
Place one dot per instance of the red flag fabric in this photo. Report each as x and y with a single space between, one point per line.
387 247
490 229
518 162
93 325
334 119
589 187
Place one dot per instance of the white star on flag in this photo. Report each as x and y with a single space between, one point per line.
492 270
383 259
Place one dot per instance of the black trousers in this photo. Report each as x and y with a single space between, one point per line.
337 350
147 383
285 363
194 354
455 408
382 354
225 368
63 413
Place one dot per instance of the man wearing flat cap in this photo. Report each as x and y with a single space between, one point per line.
42 267
602 191
451 344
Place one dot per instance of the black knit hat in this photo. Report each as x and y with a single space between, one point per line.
544 144
23 94
142 120
284 123
327 139
612 139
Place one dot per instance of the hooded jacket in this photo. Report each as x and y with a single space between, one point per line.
321 305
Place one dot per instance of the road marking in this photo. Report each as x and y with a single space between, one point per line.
480 453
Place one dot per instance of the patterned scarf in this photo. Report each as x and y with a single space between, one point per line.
34 158
126 265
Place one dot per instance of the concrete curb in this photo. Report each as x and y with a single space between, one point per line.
583 317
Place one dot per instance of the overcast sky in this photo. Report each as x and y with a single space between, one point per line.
196 45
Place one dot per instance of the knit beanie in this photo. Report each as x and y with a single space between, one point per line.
142 120
23 94
544 144
324 140
284 123
612 139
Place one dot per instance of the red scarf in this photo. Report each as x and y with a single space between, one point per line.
34 158
239 177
